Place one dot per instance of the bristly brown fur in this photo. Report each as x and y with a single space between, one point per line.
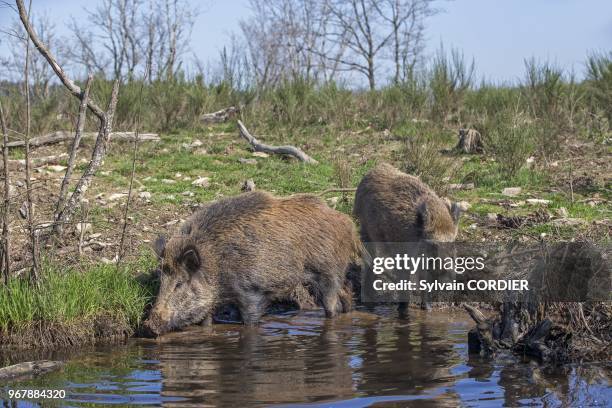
396 207
251 250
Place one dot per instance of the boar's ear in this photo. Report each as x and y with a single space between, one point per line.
191 259
160 246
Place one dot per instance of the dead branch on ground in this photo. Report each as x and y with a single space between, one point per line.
285 150
63 135
220 116
17 164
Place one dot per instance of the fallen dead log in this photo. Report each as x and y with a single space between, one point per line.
30 368
337 190
63 135
37 161
286 150
220 116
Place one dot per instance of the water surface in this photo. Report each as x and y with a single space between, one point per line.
365 358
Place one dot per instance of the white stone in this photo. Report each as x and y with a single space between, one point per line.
83 227
56 168
116 196
537 201
512 191
464 205
247 161
201 182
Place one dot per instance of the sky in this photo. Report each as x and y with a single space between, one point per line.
498 34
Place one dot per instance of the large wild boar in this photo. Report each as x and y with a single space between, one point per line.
251 250
395 207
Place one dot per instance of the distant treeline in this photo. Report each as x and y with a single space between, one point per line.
445 94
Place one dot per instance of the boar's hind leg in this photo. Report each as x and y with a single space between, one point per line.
252 307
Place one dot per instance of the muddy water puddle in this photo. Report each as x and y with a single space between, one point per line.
365 358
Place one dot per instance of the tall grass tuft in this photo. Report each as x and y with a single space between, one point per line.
69 297
545 90
421 156
510 136
599 82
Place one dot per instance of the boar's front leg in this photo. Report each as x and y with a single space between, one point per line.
330 288
252 306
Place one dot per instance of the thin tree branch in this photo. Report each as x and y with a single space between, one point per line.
61 74
30 206
6 253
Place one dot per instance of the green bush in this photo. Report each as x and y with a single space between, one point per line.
421 156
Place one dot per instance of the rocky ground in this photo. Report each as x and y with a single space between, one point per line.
564 198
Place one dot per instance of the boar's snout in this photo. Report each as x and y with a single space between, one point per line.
154 326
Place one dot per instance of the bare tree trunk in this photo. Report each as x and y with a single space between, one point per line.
371 74
6 253
105 117
99 150
68 83
73 152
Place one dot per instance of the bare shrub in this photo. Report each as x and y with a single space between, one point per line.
343 172
450 80
421 156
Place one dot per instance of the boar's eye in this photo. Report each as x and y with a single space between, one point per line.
191 259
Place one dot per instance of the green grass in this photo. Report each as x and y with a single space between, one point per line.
69 296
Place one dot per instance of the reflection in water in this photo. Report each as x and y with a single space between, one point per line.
358 359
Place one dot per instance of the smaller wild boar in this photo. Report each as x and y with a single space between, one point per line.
395 207
252 250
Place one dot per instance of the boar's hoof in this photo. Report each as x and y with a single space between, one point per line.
227 313
207 321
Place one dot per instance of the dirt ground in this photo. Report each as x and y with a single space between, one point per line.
175 175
